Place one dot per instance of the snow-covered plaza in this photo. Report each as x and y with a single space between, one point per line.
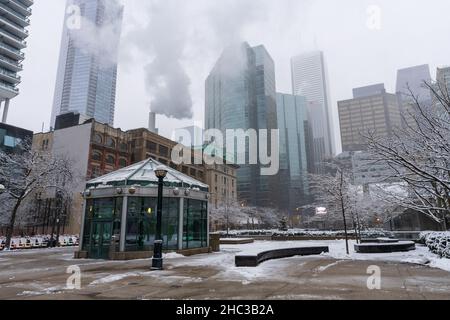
43 274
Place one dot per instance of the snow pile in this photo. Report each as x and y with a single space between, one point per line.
172 255
437 242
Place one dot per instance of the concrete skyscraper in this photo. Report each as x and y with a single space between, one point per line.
87 71
443 78
310 80
14 18
240 94
372 110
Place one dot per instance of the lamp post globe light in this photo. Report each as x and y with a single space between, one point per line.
2 188
157 261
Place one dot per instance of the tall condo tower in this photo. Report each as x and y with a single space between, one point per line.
14 18
87 70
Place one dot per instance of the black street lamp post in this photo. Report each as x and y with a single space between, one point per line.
157 261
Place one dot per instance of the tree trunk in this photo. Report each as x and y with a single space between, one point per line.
343 211
444 223
12 222
345 229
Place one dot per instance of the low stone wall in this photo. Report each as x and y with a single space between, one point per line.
256 259
312 238
236 241
385 247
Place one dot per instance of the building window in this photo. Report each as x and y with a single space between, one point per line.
96 171
151 146
111 143
193 172
97 156
123 147
185 170
201 175
110 159
141 224
123 162
164 151
98 138
195 231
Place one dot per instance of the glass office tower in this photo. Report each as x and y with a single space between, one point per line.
240 94
310 80
87 71
294 134
14 18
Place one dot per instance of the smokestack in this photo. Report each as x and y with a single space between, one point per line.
152 122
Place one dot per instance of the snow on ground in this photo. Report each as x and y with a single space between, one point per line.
224 263
114 278
225 259
419 256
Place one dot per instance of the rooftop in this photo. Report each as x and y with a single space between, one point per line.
143 174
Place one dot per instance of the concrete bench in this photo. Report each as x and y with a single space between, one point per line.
253 260
400 246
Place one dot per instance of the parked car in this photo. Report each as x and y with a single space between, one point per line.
2 244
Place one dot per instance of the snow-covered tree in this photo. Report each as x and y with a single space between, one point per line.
235 215
25 172
333 191
419 156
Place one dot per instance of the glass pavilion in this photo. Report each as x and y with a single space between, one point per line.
120 213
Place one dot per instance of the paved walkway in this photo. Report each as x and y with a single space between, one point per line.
42 274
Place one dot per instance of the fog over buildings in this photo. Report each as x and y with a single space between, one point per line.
169 46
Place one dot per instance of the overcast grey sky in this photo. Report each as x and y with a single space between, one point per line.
412 32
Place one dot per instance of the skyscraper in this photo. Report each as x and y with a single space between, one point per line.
294 142
443 78
240 94
411 86
310 80
375 111
87 71
412 79
14 18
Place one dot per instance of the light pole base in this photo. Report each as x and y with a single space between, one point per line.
157 261
157 264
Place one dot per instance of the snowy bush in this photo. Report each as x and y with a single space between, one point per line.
437 242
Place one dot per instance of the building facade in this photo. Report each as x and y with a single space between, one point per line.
11 137
189 136
101 149
310 80
241 94
443 78
14 18
294 144
376 113
87 70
